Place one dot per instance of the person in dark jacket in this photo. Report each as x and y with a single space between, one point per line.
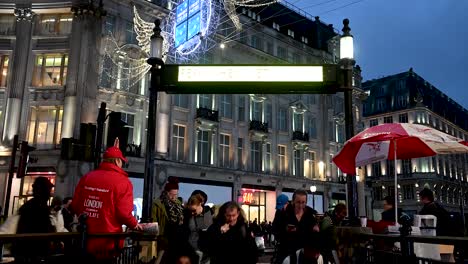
329 237
281 203
196 223
230 241
169 213
68 216
388 214
430 207
35 217
294 223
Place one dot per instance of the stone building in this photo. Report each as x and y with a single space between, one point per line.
244 147
408 98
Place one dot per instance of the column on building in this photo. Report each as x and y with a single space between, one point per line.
162 123
70 103
17 85
80 102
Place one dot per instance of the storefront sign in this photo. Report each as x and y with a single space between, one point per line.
248 197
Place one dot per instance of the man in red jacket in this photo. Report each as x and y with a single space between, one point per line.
106 196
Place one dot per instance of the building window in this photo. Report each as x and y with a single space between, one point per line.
203 147
403 118
381 104
340 133
270 48
281 160
130 35
7 24
406 165
312 127
376 169
282 122
408 192
309 170
256 42
296 58
402 100
130 120
290 33
331 131
106 73
45 126
181 100
240 153
373 122
269 114
268 163
256 156
178 143
224 160
257 111
390 168
243 37
276 26
388 119
4 59
56 24
50 70
297 164
241 108
305 40
226 106
298 121
378 194
282 53
109 24
205 101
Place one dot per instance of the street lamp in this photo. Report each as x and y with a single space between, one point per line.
313 189
347 65
156 62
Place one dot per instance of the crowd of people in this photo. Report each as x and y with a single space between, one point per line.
190 232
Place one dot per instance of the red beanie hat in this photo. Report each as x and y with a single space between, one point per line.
172 184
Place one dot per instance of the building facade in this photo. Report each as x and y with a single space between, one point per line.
243 147
408 98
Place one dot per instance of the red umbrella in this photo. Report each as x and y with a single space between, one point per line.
395 141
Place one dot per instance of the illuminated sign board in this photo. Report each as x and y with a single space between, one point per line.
250 74
248 197
188 21
246 79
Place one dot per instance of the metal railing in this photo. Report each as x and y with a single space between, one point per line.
74 247
301 136
208 114
258 126
379 248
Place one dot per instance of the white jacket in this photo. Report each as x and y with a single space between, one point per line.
11 224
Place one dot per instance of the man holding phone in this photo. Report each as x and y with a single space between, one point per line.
295 224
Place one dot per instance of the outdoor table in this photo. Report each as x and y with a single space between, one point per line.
348 240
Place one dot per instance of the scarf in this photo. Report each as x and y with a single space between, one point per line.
173 208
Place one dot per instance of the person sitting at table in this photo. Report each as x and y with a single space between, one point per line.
388 215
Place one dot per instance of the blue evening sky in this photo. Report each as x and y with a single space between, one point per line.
392 36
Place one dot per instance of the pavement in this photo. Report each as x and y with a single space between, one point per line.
265 258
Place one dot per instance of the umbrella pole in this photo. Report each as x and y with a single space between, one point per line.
395 176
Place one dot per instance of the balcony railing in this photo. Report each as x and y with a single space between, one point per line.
133 150
301 136
258 126
208 114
